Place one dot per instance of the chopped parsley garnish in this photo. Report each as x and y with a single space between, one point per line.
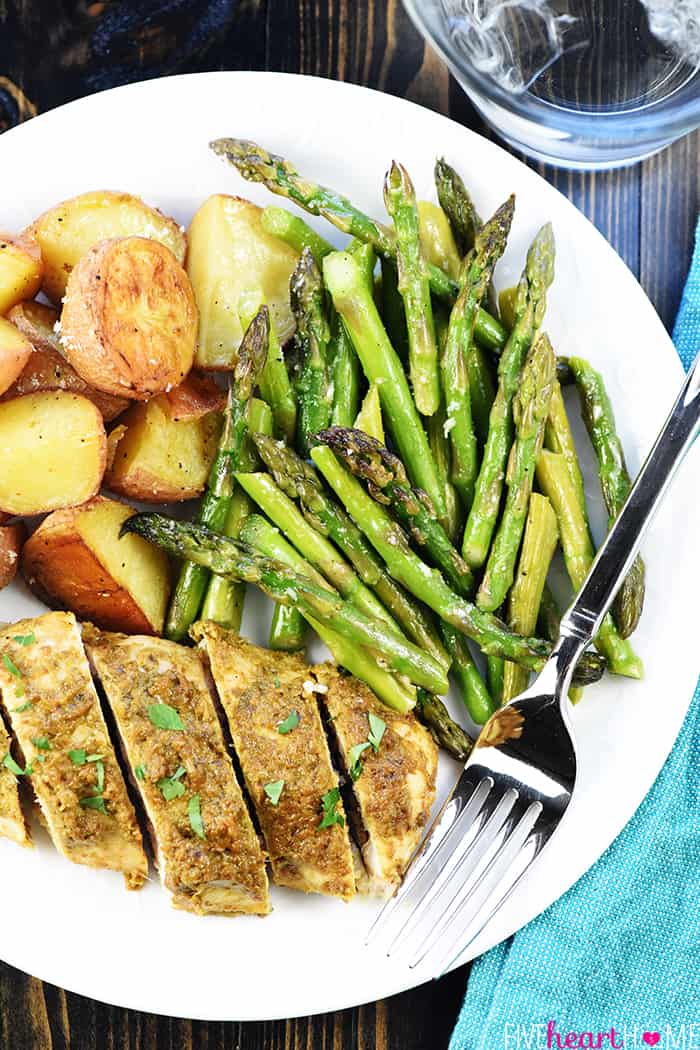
79 757
9 763
194 811
376 730
171 787
94 802
163 716
100 770
354 758
23 707
11 667
42 744
328 803
273 790
24 639
290 723
276 682
19 691
140 772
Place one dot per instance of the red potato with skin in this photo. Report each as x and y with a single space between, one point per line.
196 397
11 540
15 351
21 269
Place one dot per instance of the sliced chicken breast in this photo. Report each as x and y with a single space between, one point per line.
12 823
273 715
393 773
53 710
207 851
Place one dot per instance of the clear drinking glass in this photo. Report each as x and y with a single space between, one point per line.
576 83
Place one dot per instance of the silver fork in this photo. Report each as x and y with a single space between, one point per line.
519 780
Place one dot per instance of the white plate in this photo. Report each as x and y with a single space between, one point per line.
80 929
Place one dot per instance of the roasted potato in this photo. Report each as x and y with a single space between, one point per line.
11 540
40 324
21 269
156 459
75 560
229 256
68 230
53 452
129 322
194 398
15 351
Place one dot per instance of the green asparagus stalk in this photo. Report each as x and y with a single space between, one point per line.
369 418
389 540
298 480
598 415
224 599
356 306
525 598
387 482
440 448
558 438
393 313
431 711
275 386
192 581
530 411
506 305
555 482
366 259
437 239
482 391
495 675
280 176
473 692
394 692
295 232
229 557
530 305
313 335
414 286
347 375
478 268
287 630
548 616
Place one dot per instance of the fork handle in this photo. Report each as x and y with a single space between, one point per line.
617 553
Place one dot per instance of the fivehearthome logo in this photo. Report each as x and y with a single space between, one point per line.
556 1035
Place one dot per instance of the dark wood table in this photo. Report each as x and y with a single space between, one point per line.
52 51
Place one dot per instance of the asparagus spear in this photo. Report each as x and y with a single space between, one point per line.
224 599
555 482
387 482
275 386
414 286
231 558
280 176
431 711
300 481
558 438
598 415
295 232
394 692
548 616
530 411
191 585
356 306
478 268
312 545
392 310
491 635
482 391
287 630
313 335
440 448
474 693
525 598
347 375
495 675
531 298
369 418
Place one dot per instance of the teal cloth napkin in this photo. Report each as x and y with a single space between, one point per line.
621 949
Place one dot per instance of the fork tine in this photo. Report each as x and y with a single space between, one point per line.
450 817
468 902
467 864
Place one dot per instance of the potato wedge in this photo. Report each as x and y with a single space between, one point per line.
68 230
129 323
53 452
75 560
49 370
11 540
15 351
230 255
196 397
158 459
39 323
21 269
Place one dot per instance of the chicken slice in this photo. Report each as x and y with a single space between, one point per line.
52 707
12 823
218 866
393 781
272 712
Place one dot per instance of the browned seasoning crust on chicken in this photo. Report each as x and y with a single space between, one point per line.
223 873
396 786
12 823
258 690
52 707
